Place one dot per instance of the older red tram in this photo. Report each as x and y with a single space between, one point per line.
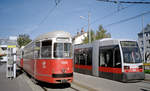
48 58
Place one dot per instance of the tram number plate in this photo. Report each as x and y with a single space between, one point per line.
64 62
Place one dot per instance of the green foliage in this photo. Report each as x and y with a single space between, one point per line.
147 71
86 40
100 33
23 40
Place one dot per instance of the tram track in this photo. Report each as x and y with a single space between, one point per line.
63 89
42 86
74 86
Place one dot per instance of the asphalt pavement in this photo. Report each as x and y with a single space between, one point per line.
17 84
101 84
81 83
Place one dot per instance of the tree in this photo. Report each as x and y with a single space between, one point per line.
86 40
23 40
100 34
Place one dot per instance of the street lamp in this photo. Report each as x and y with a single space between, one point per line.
82 17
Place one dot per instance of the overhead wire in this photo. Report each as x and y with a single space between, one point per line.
109 15
132 2
57 2
128 19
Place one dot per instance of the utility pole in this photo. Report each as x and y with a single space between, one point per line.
89 27
143 38
88 30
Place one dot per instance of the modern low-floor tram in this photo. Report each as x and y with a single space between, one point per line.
114 59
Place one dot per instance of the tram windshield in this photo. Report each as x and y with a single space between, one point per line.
131 52
62 50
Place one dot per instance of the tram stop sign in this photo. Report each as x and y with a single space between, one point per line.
11 63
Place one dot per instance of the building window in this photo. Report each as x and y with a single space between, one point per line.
141 42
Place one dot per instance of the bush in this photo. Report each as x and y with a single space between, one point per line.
147 71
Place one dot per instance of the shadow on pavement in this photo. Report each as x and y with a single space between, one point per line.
144 90
18 72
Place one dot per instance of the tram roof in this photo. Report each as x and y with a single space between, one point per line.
53 34
111 39
103 42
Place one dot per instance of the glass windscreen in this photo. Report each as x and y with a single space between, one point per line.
45 49
131 52
62 50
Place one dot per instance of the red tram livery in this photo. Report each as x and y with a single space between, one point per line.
48 58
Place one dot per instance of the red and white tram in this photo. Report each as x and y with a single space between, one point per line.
49 58
114 59
20 57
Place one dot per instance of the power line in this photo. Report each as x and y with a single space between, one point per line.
50 11
108 15
130 2
57 2
125 20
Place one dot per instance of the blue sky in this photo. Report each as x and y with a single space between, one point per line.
23 16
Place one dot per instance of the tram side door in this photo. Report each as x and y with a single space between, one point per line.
117 64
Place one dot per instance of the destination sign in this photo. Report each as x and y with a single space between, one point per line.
128 43
62 39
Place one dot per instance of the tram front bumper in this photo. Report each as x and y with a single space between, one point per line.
133 76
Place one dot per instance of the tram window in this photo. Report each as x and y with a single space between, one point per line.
67 50
89 56
62 50
82 59
46 49
106 58
83 56
58 50
117 60
76 57
37 50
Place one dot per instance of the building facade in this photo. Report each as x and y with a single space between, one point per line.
146 43
78 39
